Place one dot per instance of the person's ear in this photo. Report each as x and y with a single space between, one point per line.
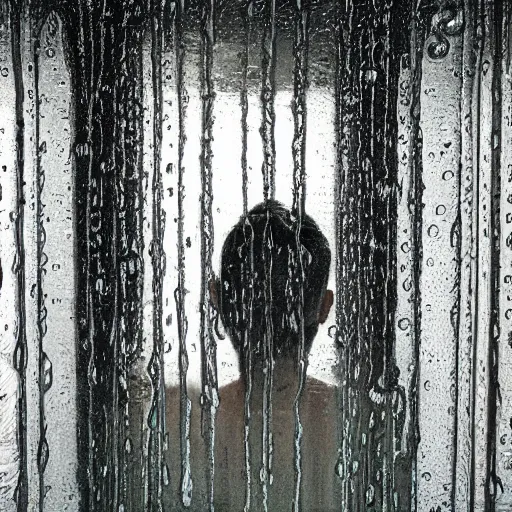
326 306
213 292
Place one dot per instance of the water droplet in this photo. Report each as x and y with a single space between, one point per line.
405 247
47 373
454 26
332 331
426 385
447 175
404 323
370 495
50 52
438 49
5 72
42 455
441 209
186 488
407 285
433 231
338 469
128 445
165 475
503 439
430 262
427 476
370 76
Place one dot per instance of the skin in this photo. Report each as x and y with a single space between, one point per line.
319 446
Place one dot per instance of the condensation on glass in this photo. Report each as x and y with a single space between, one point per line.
132 138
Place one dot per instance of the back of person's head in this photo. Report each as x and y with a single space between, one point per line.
259 270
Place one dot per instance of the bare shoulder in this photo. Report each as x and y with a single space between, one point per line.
318 392
231 392
320 386
231 405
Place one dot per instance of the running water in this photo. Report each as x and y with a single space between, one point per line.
107 135
299 109
268 88
267 131
185 403
209 386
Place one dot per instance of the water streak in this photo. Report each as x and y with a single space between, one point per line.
185 404
209 384
156 469
267 100
247 273
299 108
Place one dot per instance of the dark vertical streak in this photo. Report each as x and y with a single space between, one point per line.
117 334
368 60
156 365
267 131
186 476
267 100
248 295
417 40
20 354
208 345
43 449
247 15
390 63
343 336
299 108
133 383
107 92
496 13
81 56
268 367
475 118
90 189
463 325
92 214
247 273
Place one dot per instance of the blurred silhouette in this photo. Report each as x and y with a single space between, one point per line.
257 298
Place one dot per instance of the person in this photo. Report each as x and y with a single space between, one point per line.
256 296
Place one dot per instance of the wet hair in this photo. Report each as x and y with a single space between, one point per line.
259 269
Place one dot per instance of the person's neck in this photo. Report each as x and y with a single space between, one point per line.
285 381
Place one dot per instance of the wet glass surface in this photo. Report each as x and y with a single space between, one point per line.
135 135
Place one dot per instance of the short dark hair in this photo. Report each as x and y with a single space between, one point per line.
256 271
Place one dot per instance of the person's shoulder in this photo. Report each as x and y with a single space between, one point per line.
320 387
231 391
320 395
231 405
